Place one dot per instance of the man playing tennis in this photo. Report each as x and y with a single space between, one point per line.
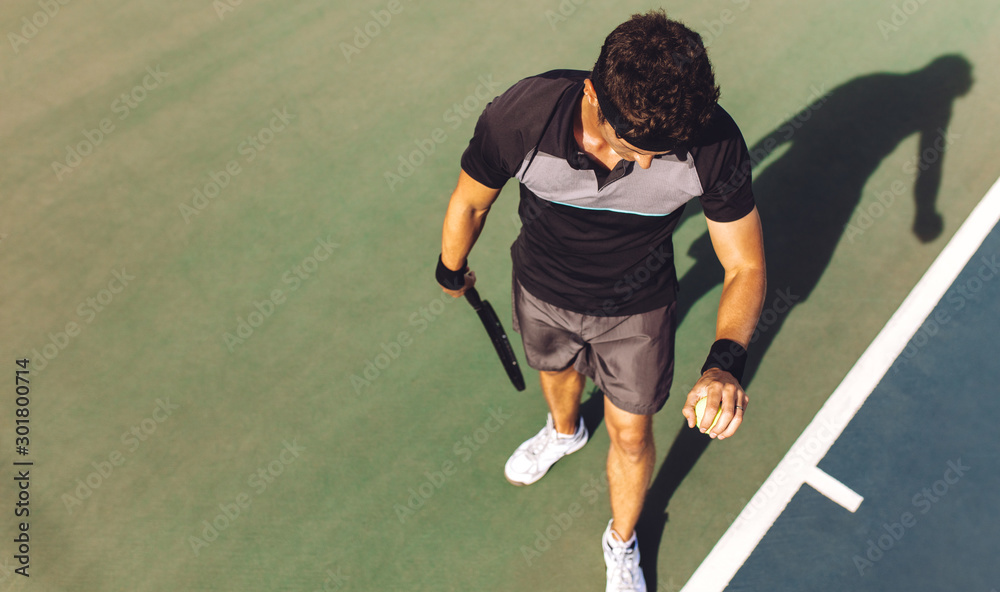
606 161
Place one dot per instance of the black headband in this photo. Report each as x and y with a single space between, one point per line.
651 142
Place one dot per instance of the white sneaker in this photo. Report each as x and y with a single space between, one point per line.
622 560
533 458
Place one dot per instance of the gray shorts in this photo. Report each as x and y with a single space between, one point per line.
630 358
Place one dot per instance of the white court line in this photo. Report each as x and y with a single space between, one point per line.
799 464
822 482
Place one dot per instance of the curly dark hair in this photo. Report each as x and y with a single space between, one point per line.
657 73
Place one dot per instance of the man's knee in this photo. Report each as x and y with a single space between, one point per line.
633 441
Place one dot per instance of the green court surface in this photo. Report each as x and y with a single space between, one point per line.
218 233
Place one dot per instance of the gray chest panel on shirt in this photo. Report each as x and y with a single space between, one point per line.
665 186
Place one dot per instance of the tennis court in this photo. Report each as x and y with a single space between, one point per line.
219 226
858 503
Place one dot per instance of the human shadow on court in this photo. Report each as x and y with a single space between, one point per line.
807 198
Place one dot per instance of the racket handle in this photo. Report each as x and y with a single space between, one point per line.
473 297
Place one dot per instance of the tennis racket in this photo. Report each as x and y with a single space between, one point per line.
497 336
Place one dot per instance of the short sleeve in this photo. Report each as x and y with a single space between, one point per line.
484 159
512 125
724 168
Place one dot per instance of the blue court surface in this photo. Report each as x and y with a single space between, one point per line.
903 495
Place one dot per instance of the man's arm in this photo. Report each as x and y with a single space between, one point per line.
739 247
470 202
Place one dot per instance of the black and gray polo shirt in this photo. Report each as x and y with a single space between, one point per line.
596 241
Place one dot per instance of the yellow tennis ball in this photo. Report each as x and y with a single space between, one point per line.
699 413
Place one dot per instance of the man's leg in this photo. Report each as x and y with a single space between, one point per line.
563 434
562 390
630 465
550 341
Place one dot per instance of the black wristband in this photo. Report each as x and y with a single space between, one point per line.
449 278
727 355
